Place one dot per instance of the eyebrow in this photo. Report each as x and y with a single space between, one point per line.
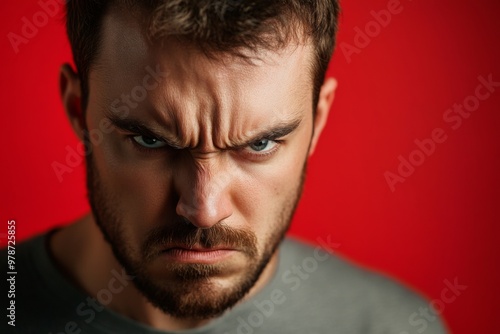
135 126
273 133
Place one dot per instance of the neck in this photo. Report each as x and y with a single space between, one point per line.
83 255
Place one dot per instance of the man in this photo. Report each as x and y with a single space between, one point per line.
198 118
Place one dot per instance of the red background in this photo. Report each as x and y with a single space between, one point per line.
441 223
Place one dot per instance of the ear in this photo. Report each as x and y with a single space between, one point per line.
71 95
326 95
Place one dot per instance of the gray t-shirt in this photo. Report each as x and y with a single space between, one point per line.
311 292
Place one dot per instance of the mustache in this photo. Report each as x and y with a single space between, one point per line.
186 234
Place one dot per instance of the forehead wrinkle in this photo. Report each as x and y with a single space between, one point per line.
208 106
223 115
220 96
179 103
187 122
213 97
163 113
206 97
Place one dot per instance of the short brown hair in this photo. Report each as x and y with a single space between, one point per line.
212 25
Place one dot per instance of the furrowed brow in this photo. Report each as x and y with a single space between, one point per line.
273 133
135 126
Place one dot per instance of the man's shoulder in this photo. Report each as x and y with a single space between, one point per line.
22 257
324 259
332 271
34 285
23 247
16 256
21 282
345 289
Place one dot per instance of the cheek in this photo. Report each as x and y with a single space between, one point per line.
269 191
137 190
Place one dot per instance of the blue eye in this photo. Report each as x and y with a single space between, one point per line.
149 142
262 145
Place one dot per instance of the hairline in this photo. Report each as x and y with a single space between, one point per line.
297 35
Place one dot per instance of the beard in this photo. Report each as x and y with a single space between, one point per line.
186 290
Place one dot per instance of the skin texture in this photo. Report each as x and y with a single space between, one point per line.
219 182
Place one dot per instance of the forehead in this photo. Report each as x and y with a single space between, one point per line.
267 85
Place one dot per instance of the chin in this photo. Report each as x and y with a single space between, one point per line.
194 298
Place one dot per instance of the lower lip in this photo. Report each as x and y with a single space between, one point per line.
197 256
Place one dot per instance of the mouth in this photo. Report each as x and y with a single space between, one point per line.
197 254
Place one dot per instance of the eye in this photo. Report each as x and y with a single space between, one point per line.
149 142
262 145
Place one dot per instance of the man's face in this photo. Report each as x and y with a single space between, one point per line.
196 182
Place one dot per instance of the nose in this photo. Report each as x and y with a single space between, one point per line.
204 197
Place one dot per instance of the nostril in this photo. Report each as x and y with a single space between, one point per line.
204 212
185 220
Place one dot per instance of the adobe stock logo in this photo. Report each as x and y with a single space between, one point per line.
87 310
372 29
454 118
32 25
292 278
426 316
121 107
